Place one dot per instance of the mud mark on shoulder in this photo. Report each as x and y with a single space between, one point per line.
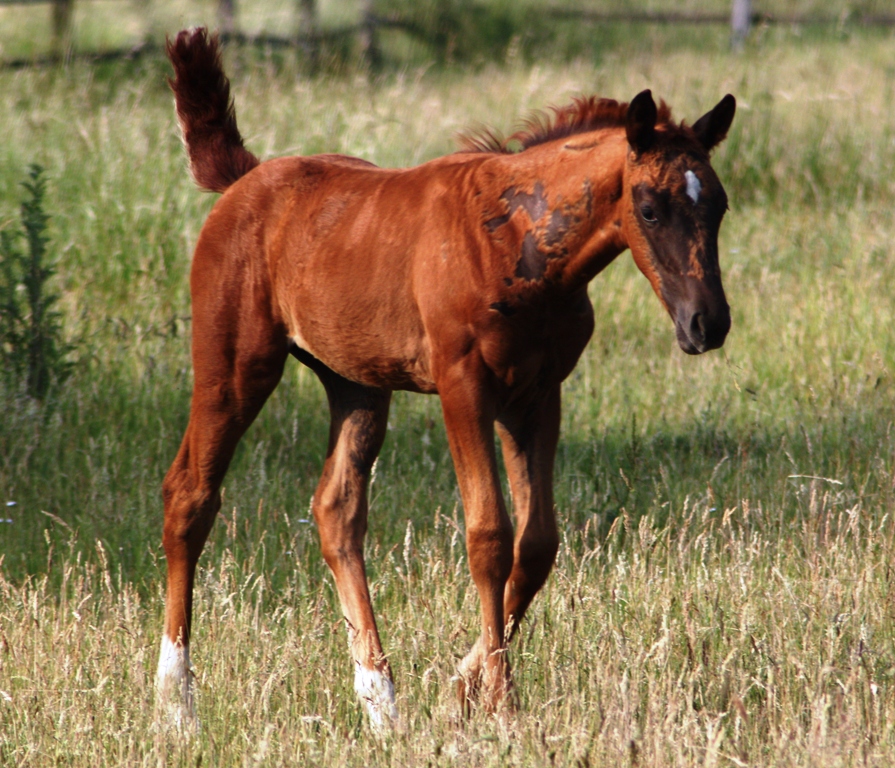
534 204
532 260
553 237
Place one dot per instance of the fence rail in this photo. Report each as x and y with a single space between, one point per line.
755 18
741 18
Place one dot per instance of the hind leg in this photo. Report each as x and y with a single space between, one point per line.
234 373
359 417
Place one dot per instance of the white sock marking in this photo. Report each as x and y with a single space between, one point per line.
172 682
693 186
377 693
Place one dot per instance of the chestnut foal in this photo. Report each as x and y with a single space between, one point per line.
467 277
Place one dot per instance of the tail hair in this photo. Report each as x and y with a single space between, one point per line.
206 112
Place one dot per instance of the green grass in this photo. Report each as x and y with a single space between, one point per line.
722 594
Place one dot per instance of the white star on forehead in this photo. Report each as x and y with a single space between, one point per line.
693 186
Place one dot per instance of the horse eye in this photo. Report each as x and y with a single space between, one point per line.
648 216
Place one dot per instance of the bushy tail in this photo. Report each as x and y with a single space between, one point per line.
206 112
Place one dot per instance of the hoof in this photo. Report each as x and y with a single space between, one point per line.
485 682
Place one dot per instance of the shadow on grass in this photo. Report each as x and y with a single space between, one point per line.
93 471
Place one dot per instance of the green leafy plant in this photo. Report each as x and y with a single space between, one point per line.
32 349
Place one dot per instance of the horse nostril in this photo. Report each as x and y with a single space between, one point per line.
697 328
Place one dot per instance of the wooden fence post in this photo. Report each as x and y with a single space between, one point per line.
227 16
740 20
368 43
62 14
307 32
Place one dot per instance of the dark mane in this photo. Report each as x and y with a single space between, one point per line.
584 114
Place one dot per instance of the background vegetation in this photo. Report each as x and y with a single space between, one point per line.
418 32
722 595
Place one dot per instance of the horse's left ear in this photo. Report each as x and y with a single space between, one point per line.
640 122
712 127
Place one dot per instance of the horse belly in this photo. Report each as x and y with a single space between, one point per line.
375 345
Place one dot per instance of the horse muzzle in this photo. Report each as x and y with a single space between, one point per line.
699 329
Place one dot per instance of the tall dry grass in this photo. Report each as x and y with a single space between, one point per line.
710 641
722 591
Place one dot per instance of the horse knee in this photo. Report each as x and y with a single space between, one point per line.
536 555
342 525
189 514
490 550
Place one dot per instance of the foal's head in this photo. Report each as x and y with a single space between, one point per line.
673 206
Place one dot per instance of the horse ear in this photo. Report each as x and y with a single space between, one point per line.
712 127
640 123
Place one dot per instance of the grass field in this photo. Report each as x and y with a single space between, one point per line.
722 594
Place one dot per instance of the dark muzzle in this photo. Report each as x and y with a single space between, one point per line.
701 328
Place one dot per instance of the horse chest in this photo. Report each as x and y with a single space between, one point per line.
539 347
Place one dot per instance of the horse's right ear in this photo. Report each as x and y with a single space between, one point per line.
712 127
640 123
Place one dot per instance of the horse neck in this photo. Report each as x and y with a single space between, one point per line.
562 200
